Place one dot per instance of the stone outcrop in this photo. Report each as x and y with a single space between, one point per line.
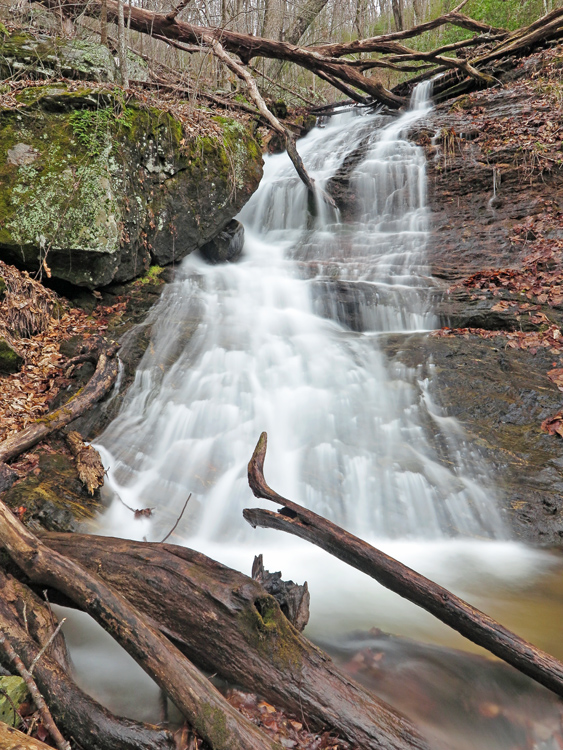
94 188
44 57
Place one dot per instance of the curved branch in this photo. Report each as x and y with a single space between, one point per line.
450 609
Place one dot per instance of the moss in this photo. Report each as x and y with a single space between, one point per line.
268 631
9 360
150 277
211 723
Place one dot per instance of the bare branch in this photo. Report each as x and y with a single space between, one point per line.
178 9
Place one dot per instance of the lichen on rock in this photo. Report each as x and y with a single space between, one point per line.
95 189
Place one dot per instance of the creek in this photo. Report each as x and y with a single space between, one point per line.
291 340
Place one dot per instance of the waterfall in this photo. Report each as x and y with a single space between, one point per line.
260 345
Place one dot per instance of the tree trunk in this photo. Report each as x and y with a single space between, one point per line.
397 6
122 44
227 624
212 717
79 716
450 609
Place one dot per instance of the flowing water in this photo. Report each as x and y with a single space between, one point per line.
263 344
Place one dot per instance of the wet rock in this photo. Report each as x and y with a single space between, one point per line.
227 246
500 396
9 360
50 495
7 477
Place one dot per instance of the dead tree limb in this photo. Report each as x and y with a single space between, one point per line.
241 72
202 705
450 609
329 61
99 384
226 623
83 719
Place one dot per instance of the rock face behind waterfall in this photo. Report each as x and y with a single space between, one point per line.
99 188
495 195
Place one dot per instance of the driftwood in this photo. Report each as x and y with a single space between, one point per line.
293 599
203 706
227 624
23 617
12 739
97 387
450 609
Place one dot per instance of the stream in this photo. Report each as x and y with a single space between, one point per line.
266 344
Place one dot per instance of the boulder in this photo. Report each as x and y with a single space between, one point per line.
227 245
41 56
100 189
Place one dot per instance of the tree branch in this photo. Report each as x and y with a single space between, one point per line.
450 609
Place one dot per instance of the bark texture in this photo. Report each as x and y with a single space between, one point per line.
197 602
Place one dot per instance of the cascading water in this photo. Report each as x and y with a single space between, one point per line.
347 432
291 340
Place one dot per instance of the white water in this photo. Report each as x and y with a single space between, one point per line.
242 348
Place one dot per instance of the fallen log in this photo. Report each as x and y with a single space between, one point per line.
450 609
99 384
227 624
12 739
212 717
80 717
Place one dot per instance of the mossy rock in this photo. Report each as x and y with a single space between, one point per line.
104 189
52 496
9 361
17 692
42 56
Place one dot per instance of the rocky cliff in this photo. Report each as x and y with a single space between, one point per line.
94 186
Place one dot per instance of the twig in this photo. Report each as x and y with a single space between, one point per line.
139 512
46 646
178 519
46 717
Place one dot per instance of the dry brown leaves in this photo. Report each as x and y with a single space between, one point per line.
26 395
289 732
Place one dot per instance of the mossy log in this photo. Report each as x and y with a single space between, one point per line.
226 623
79 716
212 717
